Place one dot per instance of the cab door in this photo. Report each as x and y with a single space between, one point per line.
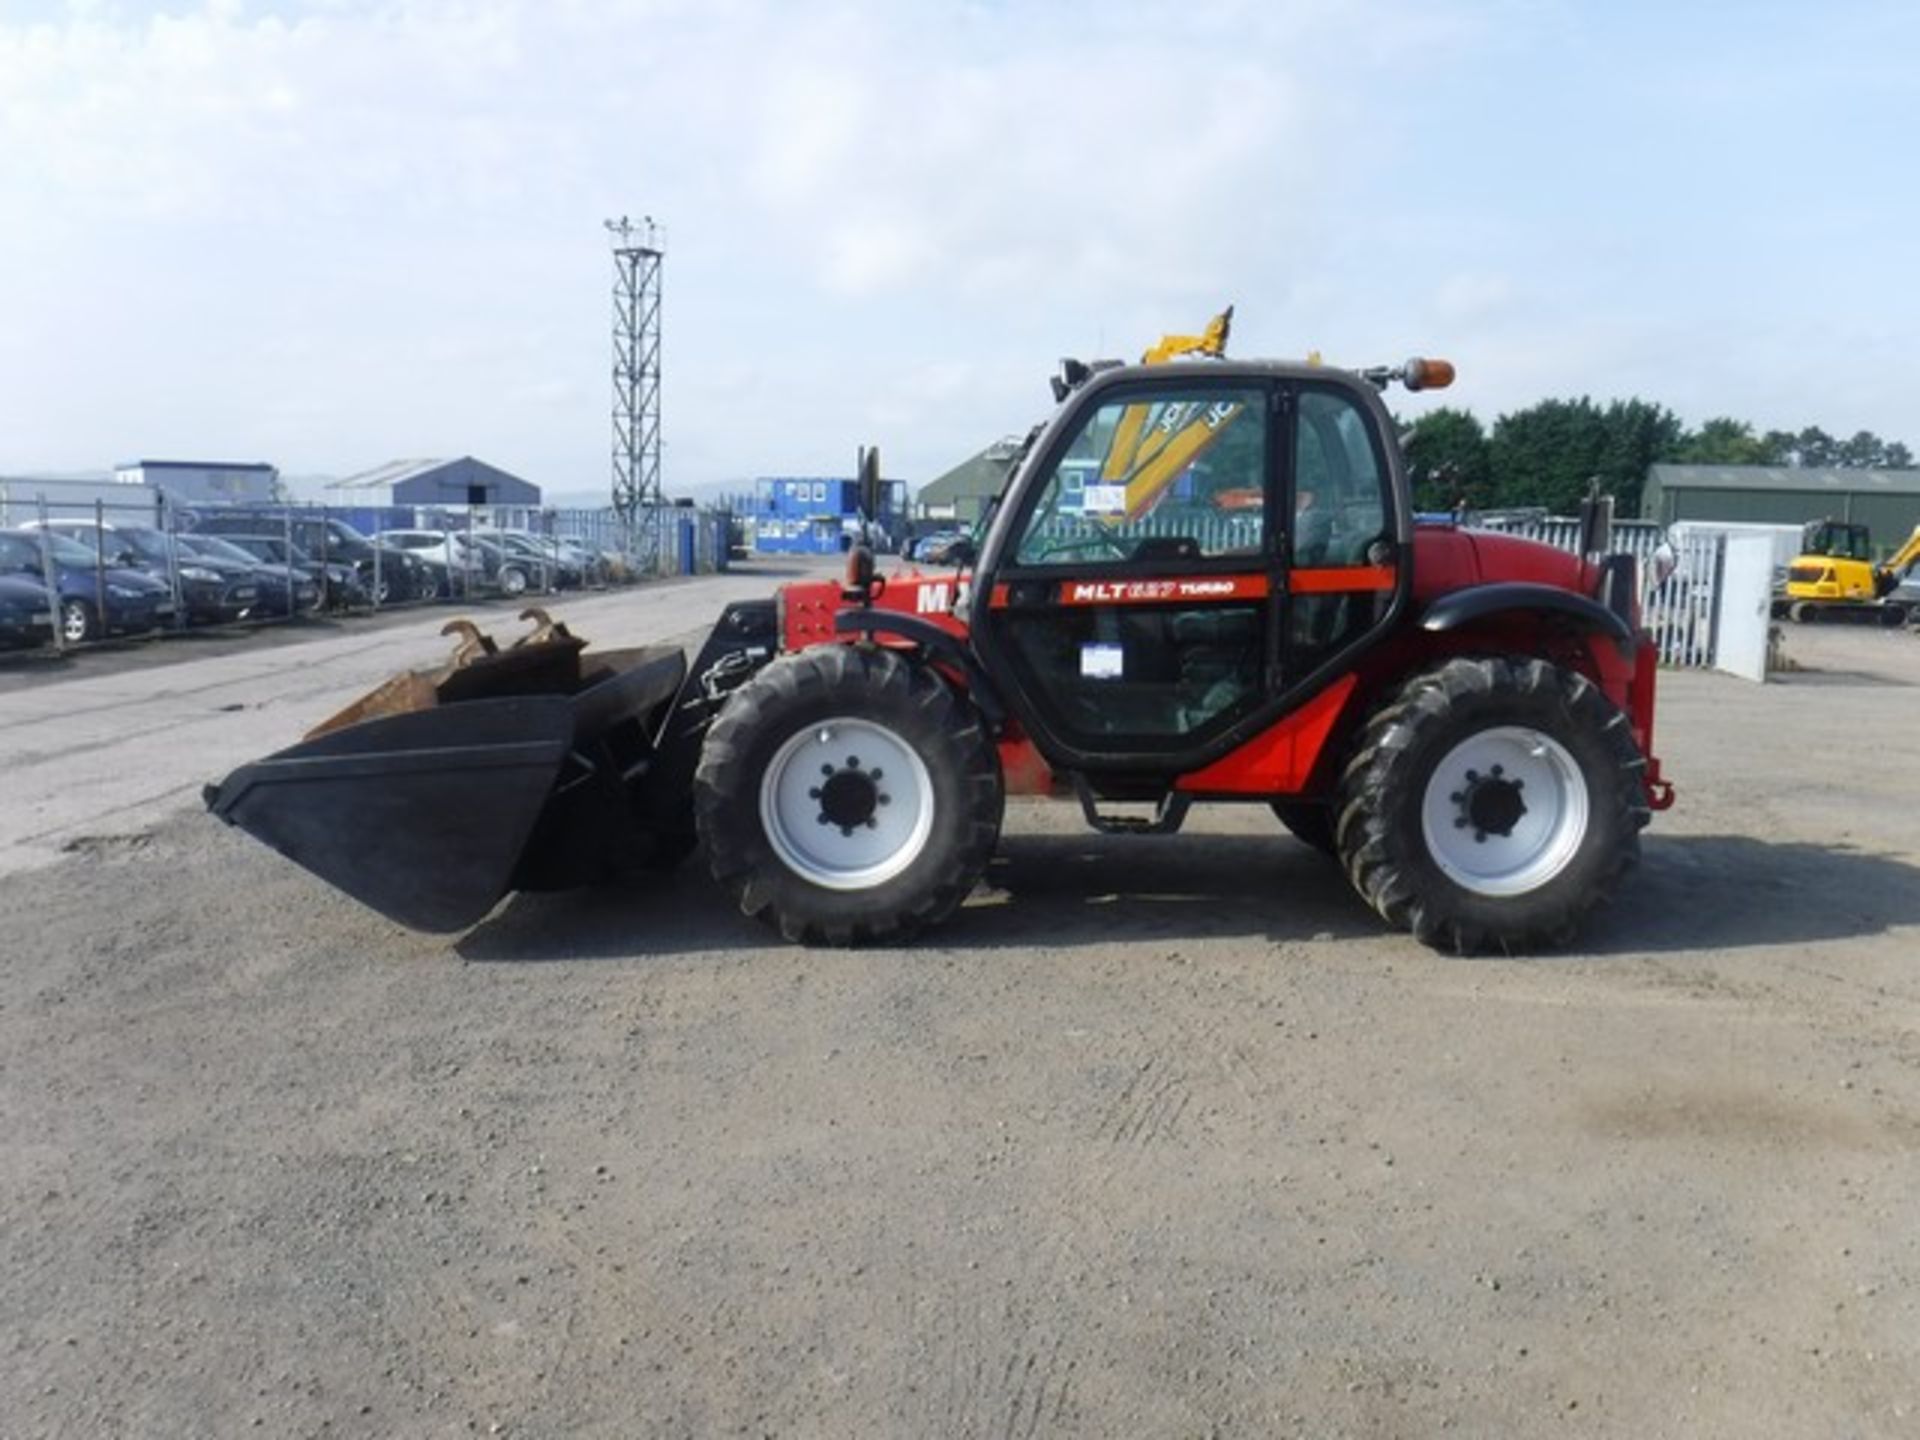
1194 557
1134 603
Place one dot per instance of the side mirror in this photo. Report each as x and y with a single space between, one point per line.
962 552
859 583
123 556
868 471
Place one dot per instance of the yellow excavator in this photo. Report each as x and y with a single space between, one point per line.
1834 576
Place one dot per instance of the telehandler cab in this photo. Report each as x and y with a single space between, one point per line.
1203 582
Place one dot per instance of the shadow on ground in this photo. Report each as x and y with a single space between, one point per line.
1835 679
1712 892
1718 892
1057 891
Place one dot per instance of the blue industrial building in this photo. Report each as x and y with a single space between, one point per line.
813 515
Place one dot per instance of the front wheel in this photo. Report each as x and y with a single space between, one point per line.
1493 805
848 796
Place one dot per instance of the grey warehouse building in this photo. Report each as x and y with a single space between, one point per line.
1886 501
439 484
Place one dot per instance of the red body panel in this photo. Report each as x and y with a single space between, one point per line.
1291 757
1279 760
807 610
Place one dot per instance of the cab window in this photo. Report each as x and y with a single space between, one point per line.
1166 474
1339 486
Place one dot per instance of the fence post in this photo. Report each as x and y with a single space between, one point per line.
377 548
52 579
286 526
100 563
173 569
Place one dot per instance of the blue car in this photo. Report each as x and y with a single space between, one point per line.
26 612
135 601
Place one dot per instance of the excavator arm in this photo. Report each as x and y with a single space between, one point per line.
1146 460
1889 573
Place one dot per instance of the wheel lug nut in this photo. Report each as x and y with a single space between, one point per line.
826 769
814 793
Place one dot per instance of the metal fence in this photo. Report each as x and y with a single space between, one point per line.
146 568
1681 613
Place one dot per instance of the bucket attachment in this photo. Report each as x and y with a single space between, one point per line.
420 816
438 791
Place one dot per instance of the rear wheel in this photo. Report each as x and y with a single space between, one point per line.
847 796
1493 804
77 625
513 581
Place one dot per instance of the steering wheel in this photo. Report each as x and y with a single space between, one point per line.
1103 536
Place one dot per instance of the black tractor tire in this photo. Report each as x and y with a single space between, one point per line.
1310 823
915 711
1386 804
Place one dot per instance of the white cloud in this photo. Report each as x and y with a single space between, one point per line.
329 231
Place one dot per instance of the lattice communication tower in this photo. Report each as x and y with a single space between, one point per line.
638 248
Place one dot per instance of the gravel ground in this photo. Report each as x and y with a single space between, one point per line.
1160 1137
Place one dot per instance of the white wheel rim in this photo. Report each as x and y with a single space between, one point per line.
73 622
1467 813
850 770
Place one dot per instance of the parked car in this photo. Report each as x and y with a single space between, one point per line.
454 566
1907 592
505 570
341 587
26 612
937 548
283 590
442 546
329 541
430 575
212 591
136 602
547 562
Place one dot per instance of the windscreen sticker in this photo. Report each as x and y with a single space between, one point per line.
1101 662
1104 500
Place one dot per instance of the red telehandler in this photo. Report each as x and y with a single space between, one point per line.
1203 582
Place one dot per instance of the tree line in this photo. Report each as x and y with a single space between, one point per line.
1550 453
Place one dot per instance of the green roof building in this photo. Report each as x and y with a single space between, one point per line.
1886 501
962 493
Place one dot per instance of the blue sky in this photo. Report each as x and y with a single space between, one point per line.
328 234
